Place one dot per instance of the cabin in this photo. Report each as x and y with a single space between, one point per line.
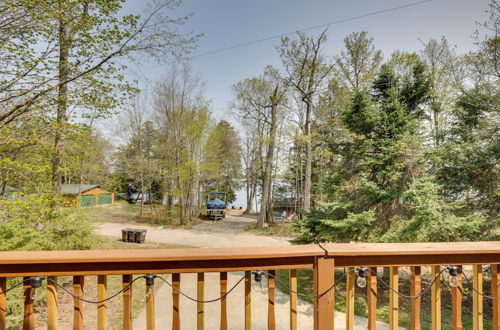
91 195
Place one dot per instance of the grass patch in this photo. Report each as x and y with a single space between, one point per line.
123 212
282 229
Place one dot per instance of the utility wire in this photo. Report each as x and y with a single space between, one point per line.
215 51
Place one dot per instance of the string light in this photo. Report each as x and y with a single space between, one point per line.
257 275
150 282
362 275
452 278
36 282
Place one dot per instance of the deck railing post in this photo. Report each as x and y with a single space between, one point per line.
271 285
456 297
372 298
349 313
415 290
102 308
150 307
477 299
248 300
436 299
394 298
223 301
200 307
176 313
324 276
3 302
78 283
293 299
495 292
127 302
29 312
52 314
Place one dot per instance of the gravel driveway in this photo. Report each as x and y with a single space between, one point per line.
230 232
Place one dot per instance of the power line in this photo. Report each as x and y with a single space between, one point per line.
303 30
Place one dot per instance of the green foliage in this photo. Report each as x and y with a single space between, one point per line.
34 222
222 152
331 223
382 190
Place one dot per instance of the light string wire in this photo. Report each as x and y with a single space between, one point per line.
305 295
201 301
278 280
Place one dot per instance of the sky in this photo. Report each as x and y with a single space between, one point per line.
225 23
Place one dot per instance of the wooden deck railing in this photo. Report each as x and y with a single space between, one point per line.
323 259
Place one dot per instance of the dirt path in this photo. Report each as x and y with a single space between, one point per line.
229 232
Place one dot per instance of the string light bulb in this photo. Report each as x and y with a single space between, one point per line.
36 282
257 275
362 275
150 281
453 278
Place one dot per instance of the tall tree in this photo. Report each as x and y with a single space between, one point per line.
259 100
222 154
306 70
182 116
358 63
74 49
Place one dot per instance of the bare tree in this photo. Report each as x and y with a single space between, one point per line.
306 70
258 100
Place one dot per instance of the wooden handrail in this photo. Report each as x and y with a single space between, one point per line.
323 259
98 262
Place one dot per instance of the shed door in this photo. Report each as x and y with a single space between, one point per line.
104 199
88 200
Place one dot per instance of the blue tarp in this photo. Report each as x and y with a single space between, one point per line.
216 204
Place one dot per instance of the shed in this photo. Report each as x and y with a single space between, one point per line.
11 193
92 195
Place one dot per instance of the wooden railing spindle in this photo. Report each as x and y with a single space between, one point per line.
324 276
393 298
248 300
477 300
495 292
271 285
436 299
29 311
176 317
102 308
78 283
293 299
52 314
3 302
127 302
372 298
200 307
415 290
150 307
456 299
223 302
349 315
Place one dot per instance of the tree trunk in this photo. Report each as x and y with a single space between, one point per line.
265 214
306 204
62 103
